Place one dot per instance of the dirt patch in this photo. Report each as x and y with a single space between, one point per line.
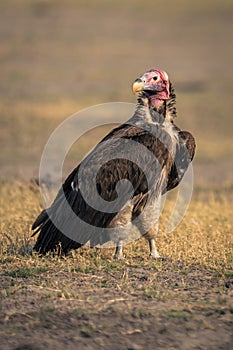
131 308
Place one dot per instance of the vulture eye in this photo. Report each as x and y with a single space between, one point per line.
155 78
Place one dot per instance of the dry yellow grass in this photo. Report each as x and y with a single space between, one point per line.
204 238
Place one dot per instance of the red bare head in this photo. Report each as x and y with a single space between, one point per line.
153 85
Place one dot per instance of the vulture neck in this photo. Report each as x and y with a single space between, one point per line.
159 110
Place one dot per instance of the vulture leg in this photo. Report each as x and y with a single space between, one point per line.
148 225
150 236
153 251
118 253
122 218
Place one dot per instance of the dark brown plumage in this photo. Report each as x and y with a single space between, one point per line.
152 128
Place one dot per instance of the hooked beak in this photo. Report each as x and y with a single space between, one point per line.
138 86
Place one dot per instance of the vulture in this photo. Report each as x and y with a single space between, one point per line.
119 184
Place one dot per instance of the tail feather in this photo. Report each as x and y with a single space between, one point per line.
50 238
40 220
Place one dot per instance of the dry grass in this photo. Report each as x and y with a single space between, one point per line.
198 241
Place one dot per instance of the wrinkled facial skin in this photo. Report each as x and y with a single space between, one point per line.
153 84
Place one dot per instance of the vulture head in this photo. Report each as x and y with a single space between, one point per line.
152 88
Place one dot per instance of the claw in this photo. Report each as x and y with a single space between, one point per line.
159 258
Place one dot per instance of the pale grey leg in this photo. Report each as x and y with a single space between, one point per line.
153 251
148 226
119 253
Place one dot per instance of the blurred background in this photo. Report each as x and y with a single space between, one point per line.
58 57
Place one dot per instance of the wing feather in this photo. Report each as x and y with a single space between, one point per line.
184 155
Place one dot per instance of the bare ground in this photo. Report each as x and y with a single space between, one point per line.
156 305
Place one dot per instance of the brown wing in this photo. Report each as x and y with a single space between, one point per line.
184 155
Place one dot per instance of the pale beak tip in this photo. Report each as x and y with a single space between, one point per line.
137 86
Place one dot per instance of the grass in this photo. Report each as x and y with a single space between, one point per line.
198 241
25 272
180 314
